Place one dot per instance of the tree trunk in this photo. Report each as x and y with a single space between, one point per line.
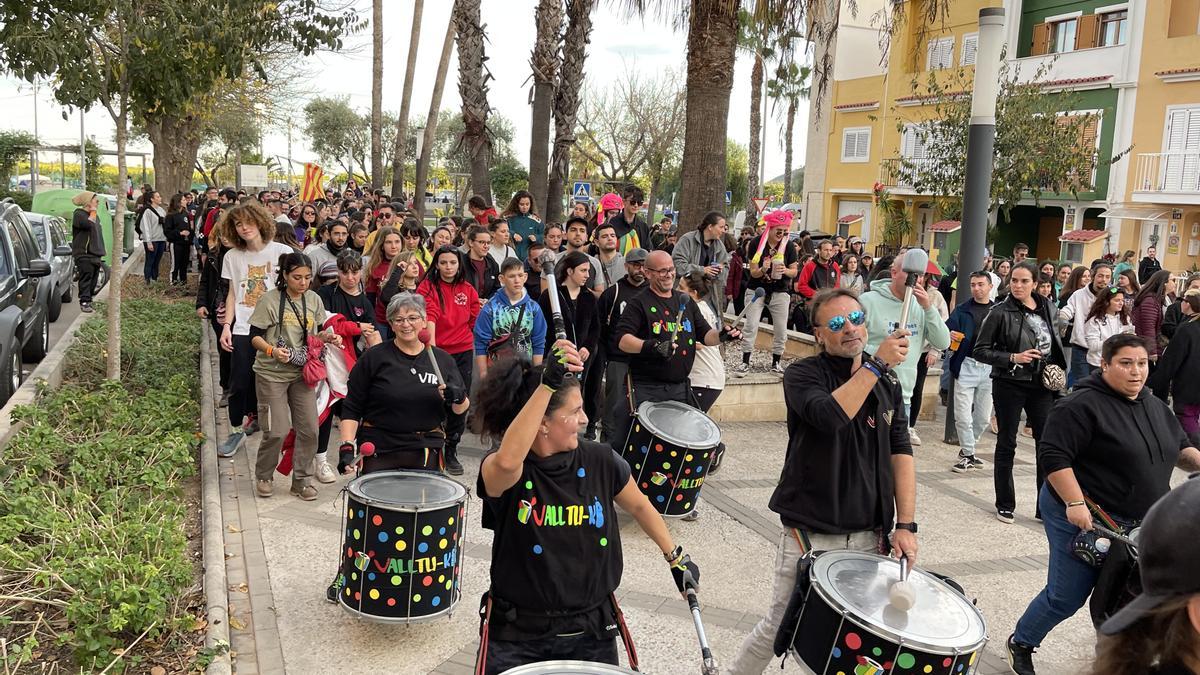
712 39
545 62
435 103
113 362
376 94
754 189
787 151
655 185
566 102
176 142
473 90
414 39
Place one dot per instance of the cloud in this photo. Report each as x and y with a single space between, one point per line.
638 50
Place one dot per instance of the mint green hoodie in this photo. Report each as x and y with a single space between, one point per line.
883 314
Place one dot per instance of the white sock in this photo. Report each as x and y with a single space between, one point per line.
321 457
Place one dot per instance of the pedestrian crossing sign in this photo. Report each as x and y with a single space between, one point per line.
581 192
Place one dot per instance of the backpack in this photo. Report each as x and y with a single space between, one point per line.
137 221
503 346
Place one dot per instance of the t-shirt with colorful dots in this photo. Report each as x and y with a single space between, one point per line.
649 315
557 546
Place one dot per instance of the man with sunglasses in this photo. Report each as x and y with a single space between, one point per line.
849 472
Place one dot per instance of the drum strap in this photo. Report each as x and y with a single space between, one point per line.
626 637
481 656
802 540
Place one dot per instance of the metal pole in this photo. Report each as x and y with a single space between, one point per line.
82 154
981 141
62 169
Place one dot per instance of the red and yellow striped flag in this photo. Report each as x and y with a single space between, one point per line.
311 189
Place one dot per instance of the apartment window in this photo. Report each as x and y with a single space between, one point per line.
940 54
1062 36
1114 28
969 48
856 145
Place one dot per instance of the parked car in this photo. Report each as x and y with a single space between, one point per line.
55 247
24 298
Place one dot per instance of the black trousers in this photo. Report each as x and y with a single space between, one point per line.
1010 398
705 397
914 405
181 260
243 397
326 427
456 424
505 655
89 267
224 358
645 390
593 387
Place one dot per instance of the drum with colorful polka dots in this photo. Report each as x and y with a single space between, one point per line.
669 449
402 551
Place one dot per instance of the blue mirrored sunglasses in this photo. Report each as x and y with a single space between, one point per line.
837 323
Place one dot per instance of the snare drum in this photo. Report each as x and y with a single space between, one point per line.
567 668
670 447
847 624
401 557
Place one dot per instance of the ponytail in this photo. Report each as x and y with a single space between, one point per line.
287 263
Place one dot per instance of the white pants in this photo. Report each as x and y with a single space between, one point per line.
972 403
780 304
758 647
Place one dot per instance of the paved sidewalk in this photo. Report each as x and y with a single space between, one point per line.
285 552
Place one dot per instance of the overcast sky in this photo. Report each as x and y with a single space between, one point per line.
652 46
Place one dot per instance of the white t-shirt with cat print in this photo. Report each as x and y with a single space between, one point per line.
250 275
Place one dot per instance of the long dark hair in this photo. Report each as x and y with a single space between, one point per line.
507 386
287 263
1072 284
569 262
1154 288
514 205
176 204
1100 305
434 277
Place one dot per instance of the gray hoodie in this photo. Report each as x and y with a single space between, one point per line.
152 224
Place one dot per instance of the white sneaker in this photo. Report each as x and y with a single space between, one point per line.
741 369
777 368
913 437
325 473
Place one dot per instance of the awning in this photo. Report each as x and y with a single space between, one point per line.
1137 212
1083 236
850 219
946 226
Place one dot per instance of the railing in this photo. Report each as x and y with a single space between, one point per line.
1167 172
894 173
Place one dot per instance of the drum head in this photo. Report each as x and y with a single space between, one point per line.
406 490
567 667
940 619
680 424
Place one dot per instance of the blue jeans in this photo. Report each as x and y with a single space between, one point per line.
1069 580
1080 368
154 254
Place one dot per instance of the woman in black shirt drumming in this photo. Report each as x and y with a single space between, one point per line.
549 497
398 377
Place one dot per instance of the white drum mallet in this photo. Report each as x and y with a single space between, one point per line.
902 595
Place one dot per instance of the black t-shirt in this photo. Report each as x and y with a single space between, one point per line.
557 544
397 394
609 308
650 316
356 308
790 256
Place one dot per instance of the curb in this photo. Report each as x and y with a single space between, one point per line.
215 580
49 371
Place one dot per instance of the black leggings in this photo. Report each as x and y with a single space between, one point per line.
243 398
326 427
914 403
181 260
456 424
224 358
593 387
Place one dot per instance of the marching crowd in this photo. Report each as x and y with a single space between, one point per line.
340 306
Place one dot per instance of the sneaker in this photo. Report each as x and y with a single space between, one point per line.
963 465
325 473
1020 657
86 307
913 437
693 516
741 369
331 593
944 396
252 426
777 368
224 402
306 492
976 463
230 446
264 488
718 456
1005 517
453 466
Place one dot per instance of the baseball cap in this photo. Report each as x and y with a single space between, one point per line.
637 255
1168 547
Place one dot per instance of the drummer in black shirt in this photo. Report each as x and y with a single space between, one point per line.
849 470
659 328
550 499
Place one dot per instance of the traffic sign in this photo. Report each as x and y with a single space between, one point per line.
728 197
581 192
760 203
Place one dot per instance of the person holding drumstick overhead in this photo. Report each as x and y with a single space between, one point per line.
848 474
549 497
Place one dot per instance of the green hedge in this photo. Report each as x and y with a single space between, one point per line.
91 488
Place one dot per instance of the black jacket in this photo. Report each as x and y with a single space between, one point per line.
579 317
213 289
485 287
176 223
837 475
1007 331
1122 451
86 237
1147 267
1178 369
1172 319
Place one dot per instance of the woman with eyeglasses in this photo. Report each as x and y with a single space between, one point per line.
451 308
1108 316
306 223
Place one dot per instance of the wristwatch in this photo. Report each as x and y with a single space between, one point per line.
911 527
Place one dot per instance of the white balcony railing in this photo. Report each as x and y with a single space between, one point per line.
1168 172
894 173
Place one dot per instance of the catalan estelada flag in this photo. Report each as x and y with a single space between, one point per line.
311 189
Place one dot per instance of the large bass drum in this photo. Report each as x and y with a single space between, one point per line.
847 625
567 668
670 448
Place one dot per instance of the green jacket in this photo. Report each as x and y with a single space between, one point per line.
883 315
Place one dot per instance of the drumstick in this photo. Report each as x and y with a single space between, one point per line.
365 450
1115 535
759 294
560 327
424 337
901 595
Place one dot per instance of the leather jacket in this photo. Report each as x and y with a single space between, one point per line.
1006 331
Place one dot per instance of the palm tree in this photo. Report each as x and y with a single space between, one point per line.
376 93
544 61
435 104
414 39
566 101
789 86
760 41
472 88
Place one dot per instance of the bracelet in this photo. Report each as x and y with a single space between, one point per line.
1079 502
872 368
674 556
270 351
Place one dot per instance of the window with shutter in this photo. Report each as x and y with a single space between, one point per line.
940 54
1113 29
969 48
856 144
1088 32
1182 165
1041 40
1062 35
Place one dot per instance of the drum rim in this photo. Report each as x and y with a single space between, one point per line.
375 618
566 666
354 492
885 632
641 419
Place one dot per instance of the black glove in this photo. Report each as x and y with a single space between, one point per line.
657 347
685 572
454 395
727 334
345 456
554 369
